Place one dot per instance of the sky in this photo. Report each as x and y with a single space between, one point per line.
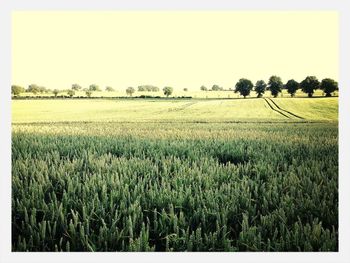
179 49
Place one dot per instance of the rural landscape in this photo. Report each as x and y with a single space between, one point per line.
174 131
222 170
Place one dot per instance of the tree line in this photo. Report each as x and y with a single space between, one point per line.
275 85
213 88
166 90
243 86
35 89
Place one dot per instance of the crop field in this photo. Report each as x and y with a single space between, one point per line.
175 175
171 110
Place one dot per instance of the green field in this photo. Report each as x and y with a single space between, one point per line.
175 175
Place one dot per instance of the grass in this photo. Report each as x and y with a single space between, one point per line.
174 175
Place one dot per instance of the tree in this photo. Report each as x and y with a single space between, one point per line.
167 91
244 86
71 93
292 86
55 92
203 88
147 88
216 88
33 88
94 87
16 90
185 89
88 93
109 89
130 91
309 85
76 87
260 88
329 86
275 85
42 89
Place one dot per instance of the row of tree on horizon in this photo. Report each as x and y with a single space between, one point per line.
243 86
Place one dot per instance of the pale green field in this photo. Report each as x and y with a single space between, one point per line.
318 108
152 110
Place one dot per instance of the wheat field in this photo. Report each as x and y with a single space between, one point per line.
175 175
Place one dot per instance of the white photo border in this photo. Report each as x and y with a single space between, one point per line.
340 6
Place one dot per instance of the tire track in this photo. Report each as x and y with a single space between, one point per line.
183 106
291 113
276 110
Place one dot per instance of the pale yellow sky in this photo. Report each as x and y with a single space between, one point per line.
179 49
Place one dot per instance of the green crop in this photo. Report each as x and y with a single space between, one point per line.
175 186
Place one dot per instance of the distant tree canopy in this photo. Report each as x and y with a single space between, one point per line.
292 86
260 88
309 85
147 88
33 88
275 85
76 87
88 93
94 87
16 90
71 93
328 86
244 86
167 91
216 88
203 88
109 89
55 92
42 89
130 91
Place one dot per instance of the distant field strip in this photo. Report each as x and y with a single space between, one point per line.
187 110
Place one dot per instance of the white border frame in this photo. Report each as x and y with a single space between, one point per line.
7 6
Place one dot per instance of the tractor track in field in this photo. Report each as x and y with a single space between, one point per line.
183 106
291 113
276 109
